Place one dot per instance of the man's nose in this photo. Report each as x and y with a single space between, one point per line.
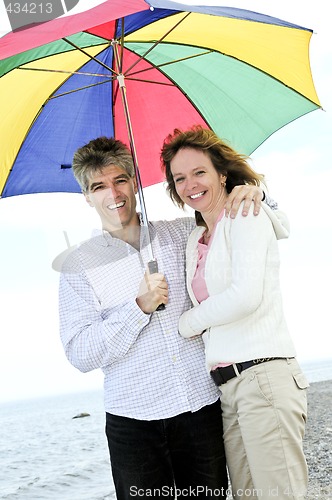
112 190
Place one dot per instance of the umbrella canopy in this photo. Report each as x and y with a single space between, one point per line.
242 74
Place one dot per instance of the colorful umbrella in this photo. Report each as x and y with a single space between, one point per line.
243 74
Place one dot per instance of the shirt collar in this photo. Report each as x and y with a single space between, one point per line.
107 239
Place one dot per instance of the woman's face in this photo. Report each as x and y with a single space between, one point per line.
197 182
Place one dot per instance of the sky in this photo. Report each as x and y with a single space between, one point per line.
297 164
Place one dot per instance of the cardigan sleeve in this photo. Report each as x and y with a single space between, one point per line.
250 238
279 221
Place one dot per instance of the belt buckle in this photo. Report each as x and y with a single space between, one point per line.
222 375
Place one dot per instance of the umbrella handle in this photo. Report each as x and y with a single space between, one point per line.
153 268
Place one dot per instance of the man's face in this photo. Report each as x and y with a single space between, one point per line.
112 193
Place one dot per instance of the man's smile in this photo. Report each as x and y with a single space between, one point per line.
115 206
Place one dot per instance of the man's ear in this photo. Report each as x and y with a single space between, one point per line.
87 199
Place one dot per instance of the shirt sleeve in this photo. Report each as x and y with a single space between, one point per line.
270 202
278 218
93 337
250 237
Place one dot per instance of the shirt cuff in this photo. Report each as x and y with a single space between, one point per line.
270 201
136 319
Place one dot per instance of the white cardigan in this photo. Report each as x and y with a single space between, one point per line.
243 315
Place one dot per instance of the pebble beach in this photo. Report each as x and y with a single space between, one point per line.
318 440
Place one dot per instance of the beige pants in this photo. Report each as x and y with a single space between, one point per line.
264 414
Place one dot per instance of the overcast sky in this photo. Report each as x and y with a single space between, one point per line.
297 165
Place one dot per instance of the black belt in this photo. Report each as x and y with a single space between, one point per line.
221 375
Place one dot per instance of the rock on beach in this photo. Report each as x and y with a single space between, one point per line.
81 415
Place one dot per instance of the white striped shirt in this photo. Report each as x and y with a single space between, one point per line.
150 371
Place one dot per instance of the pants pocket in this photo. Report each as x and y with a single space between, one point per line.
301 380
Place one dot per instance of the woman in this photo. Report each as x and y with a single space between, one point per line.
233 281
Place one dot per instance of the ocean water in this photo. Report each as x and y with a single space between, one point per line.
317 371
48 455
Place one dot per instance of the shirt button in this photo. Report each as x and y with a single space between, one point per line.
174 359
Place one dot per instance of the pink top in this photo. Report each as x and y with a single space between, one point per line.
198 283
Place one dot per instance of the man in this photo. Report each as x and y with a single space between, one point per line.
163 418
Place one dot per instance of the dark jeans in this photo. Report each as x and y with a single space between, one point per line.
183 454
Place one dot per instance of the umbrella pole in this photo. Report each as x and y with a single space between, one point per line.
122 86
152 264
134 155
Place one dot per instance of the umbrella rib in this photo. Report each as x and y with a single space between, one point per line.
157 43
121 45
80 88
66 72
151 81
171 62
90 56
